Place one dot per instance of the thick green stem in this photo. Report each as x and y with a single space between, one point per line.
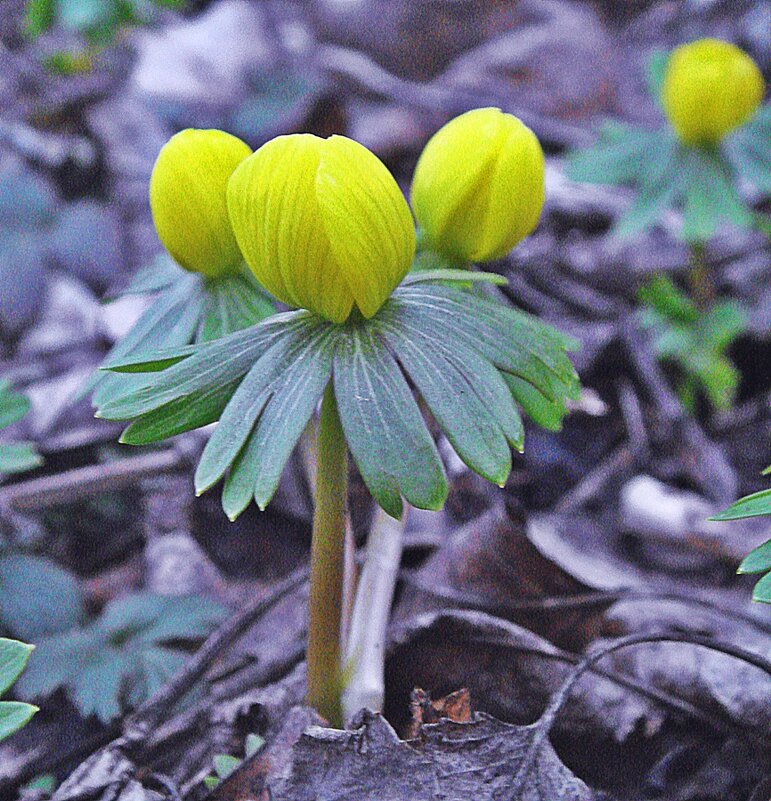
325 604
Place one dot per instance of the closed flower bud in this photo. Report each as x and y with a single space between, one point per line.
710 87
479 185
188 189
322 224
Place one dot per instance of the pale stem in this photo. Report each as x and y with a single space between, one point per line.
325 603
365 652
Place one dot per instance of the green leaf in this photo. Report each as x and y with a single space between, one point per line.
620 156
242 411
710 195
762 591
282 391
14 656
161 273
386 434
759 559
658 188
749 149
253 744
193 411
56 660
654 73
14 715
39 17
225 765
662 295
13 405
212 366
462 276
169 322
465 394
234 302
755 505
150 362
210 782
18 457
513 341
546 413
37 597
118 660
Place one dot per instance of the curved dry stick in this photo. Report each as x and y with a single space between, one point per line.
546 721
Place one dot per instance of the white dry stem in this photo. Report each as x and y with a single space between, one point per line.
364 660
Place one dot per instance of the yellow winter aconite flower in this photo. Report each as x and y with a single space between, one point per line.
322 224
188 199
479 185
710 87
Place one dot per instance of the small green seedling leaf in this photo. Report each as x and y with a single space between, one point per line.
13 659
755 505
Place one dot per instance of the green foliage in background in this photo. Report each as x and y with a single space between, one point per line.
758 561
97 21
15 457
700 182
37 597
694 341
120 659
225 764
13 659
186 308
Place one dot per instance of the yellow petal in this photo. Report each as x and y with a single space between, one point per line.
710 87
516 191
479 185
276 219
188 199
449 186
366 219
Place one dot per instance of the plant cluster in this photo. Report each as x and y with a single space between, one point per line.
327 232
115 662
716 136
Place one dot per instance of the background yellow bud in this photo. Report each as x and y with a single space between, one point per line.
322 224
710 87
188 199
479 185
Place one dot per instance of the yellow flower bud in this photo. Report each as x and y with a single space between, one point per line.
479 185
322 224
710 87
188 200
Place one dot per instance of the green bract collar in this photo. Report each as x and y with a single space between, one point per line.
472 358
187 308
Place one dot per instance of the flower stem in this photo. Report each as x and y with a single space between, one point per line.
702 288
325 603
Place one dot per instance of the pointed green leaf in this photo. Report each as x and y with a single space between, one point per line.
225 764
541 410
466 395
14 715
213 365
755 505
762 591
13 659
461 276
757 560
17 457
234 302
383 425
13 405
297 392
